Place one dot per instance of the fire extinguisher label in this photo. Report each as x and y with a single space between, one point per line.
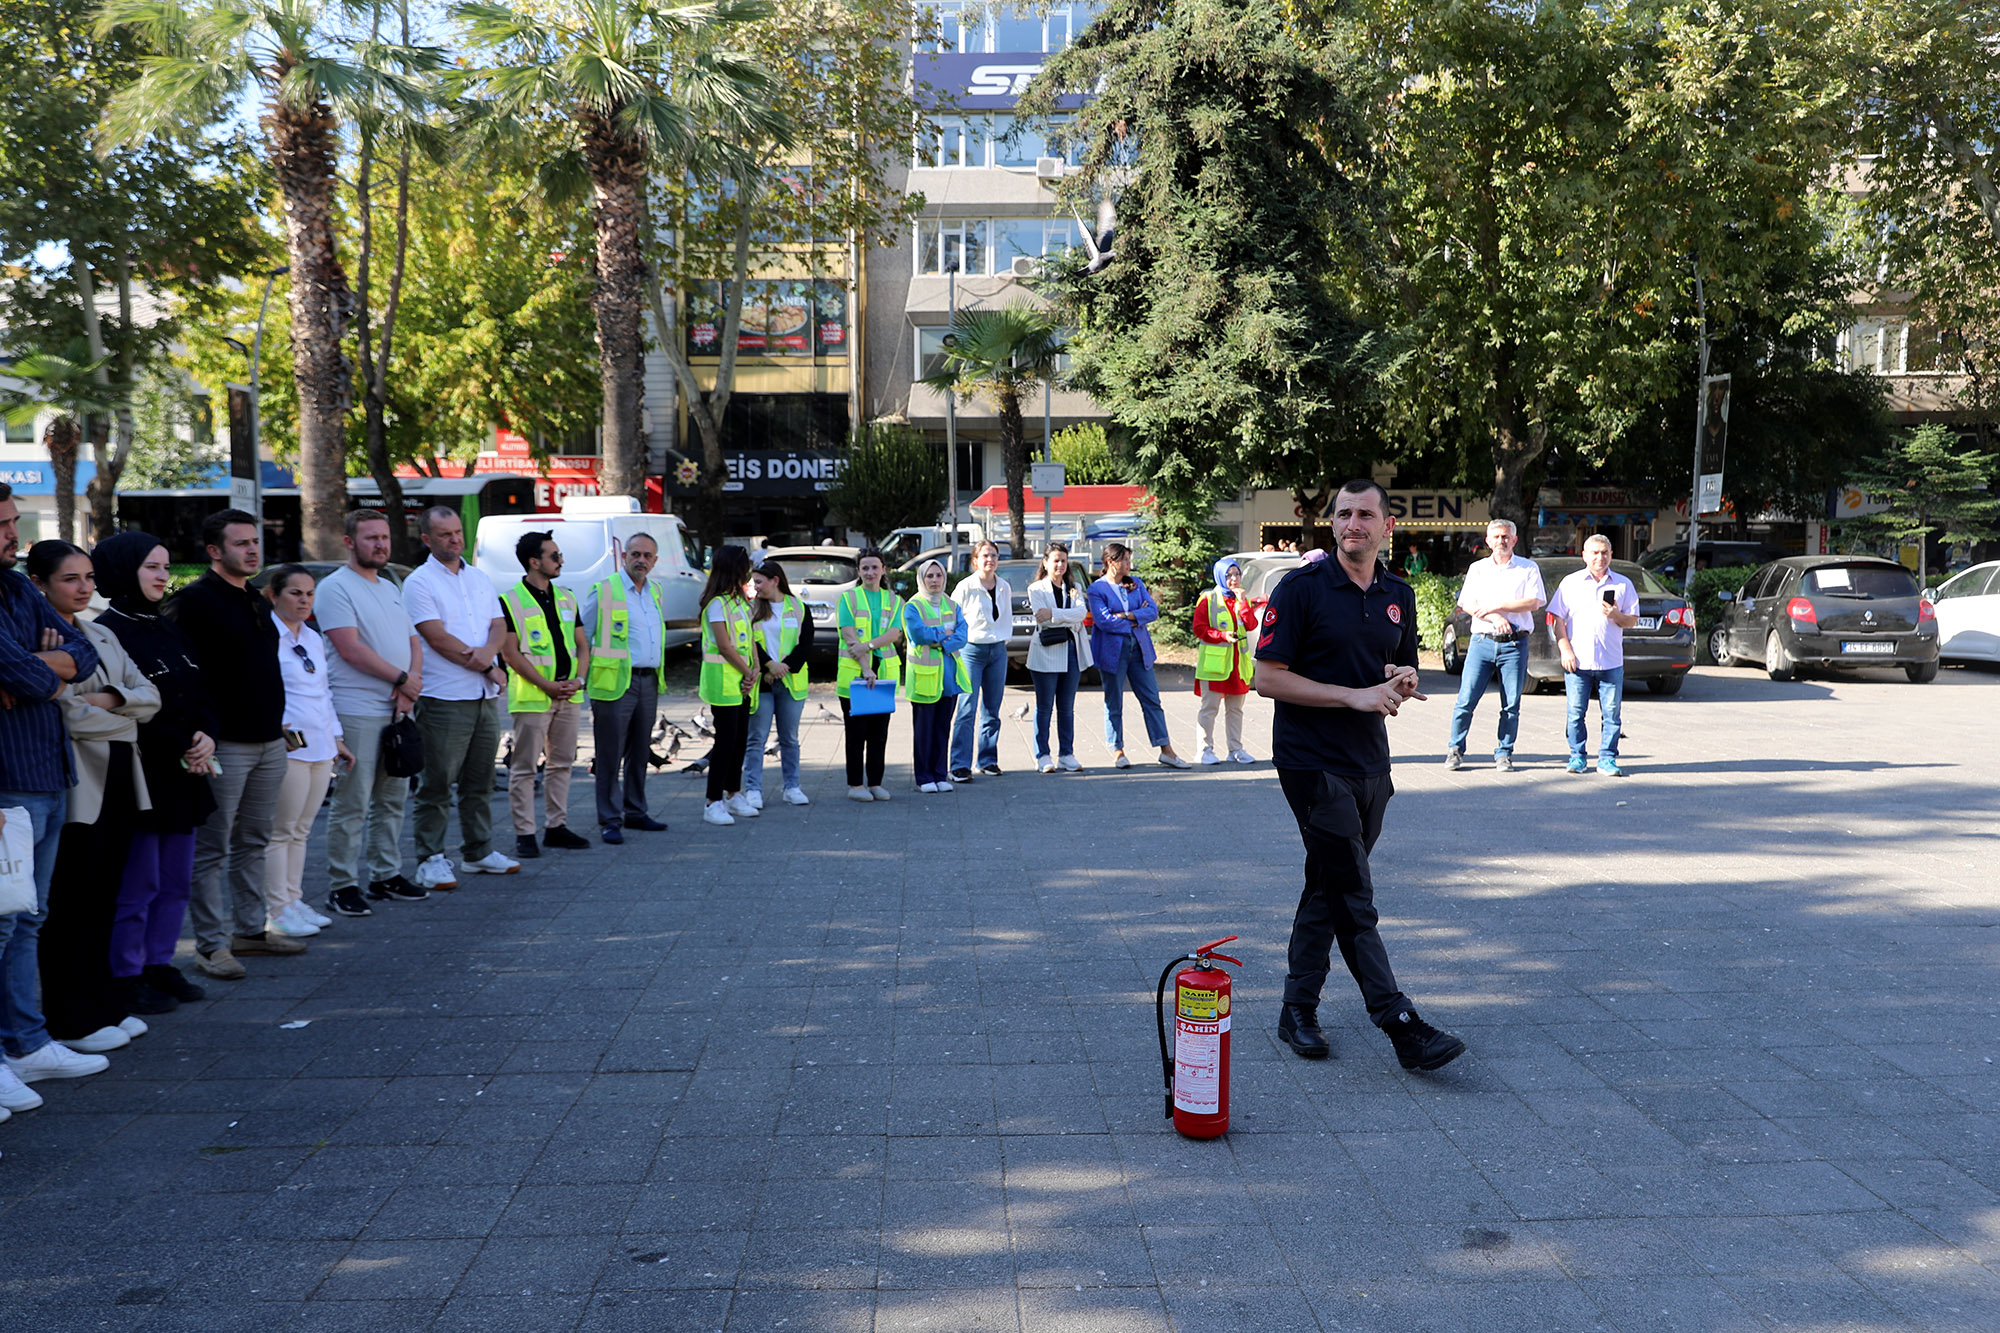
1197 1004
1198 1064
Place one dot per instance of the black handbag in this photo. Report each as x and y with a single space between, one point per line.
1051 635
402 748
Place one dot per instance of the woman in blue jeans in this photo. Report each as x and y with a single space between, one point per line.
1057 655
1120 610
784 628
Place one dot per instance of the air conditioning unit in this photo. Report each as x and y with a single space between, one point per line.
1049 168
1024 267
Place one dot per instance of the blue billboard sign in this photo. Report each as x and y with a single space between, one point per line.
980 82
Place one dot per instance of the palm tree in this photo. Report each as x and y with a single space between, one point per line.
68 384
309 78
618 89
1003 354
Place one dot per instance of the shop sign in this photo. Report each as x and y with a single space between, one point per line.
775 472
978 81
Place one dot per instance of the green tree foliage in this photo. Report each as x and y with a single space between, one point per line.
173 434
1933 484
1003 353
893 479
1215 338
1176 557
74 388
1084 450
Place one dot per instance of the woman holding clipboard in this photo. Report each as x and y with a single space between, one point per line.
870 620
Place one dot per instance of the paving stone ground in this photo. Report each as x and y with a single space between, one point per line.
849 1067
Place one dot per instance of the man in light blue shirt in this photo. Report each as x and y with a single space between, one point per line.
627 629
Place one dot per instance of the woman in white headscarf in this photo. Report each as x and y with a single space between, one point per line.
1224 625
933 674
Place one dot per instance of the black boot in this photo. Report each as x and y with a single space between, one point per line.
171 981
1298 1028
136 996
1419 1045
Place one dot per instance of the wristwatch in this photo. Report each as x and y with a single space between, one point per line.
401 680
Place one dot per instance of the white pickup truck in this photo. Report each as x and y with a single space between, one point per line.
592 531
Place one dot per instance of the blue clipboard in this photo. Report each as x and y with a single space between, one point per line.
865 700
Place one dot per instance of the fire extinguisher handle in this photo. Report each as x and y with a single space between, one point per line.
1160 1018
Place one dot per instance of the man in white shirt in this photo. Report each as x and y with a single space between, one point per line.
1591 611
1501 595
457 615
375 673
987 603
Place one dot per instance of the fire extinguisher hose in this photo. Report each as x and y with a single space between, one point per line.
1160 1017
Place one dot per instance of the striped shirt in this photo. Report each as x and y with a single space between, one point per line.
34 748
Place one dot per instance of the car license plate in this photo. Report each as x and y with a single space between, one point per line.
1648 622
1886 647
1023 626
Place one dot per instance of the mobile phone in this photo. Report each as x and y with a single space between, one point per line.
1611 596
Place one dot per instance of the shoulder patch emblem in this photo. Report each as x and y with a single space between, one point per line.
1270 614
1395 613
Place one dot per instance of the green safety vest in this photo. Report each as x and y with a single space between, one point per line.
927 659
888 664
721 683
537 644
1220 661
791 613
611 655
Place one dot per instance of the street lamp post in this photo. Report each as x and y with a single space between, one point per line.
951 412
246 490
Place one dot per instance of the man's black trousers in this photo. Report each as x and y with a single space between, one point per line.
1339 818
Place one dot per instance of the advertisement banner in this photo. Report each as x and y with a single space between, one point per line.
781 317
979 82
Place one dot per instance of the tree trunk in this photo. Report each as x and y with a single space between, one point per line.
1014 456
61 440
1520 434
375 361
103 489
303 148
617 165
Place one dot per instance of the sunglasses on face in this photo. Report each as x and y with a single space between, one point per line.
305 657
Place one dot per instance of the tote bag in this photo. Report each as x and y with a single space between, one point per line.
17 862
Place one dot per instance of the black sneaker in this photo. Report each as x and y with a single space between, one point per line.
562 838
170 980
348 902
989 770
399 889
961 775
525 846
1298 1028
1419 1045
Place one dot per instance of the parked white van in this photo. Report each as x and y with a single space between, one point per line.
903 543
592 531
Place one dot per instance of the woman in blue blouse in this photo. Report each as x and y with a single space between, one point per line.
934 674
1120 610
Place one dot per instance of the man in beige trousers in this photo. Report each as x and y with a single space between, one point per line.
546 656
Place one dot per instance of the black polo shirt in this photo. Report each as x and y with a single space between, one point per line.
1322 625
235 644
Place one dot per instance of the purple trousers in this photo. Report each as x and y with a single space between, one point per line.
152 901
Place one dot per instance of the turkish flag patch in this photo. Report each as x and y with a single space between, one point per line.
1395 614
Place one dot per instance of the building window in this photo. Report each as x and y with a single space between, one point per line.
951 245
958 142
18 432
1030 238
973 26
930 350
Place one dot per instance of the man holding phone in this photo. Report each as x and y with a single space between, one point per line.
1590 613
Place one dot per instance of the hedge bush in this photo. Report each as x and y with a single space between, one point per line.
1437 597
1707 606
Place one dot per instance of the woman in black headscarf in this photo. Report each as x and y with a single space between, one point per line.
176 755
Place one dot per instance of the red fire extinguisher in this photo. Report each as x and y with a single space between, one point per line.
1197 1070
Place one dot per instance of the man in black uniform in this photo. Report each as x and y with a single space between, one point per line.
1338 653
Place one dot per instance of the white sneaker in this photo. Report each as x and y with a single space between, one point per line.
303 916
1208 756
859 794
1243 756
929 788
313 914
14 1094
100 1041
1067 763
793 796
493 863
289 922
755 798
878 793
436 873
5 1115
946 786
741 806
1045 765
716 812
134 1025
56 1060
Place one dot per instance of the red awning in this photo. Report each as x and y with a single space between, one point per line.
1073 500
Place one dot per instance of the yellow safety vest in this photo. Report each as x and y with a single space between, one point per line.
888 664
611 656
927 659
537 644
791 613
721 683
1220 661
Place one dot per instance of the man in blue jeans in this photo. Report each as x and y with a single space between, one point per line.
39 654
987 603
1591 611
1501 595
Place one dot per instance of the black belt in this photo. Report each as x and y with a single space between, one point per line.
1515 637
654 672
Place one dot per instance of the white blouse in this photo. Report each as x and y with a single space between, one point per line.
308 696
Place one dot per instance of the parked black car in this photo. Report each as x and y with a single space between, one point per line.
1670 562
1658 650
1834 611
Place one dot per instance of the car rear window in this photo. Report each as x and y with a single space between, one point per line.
818 571
1860 582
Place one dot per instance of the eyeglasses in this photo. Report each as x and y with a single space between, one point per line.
305 657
